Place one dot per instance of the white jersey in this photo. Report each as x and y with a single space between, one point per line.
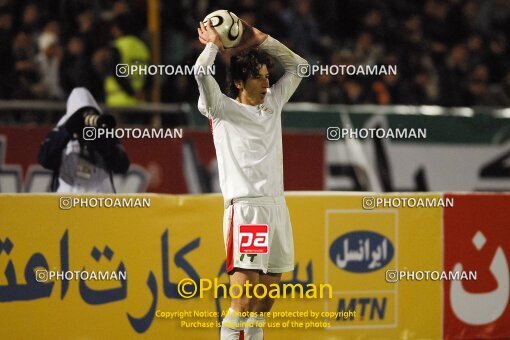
248 139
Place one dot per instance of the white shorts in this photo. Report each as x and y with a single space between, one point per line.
275 252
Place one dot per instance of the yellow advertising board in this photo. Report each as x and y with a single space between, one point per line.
127 265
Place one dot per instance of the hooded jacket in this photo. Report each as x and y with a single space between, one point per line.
81 166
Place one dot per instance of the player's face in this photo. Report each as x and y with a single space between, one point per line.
255 88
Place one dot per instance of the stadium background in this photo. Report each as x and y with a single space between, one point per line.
453 79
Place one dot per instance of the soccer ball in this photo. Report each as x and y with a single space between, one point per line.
228 26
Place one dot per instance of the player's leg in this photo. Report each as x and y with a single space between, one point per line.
235 320
258 320
243 267
264 305
281 259
238 278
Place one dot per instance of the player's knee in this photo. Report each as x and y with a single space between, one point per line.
243 304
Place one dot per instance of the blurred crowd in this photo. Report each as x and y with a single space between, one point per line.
47 48
448 52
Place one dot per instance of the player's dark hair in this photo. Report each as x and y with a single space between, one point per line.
244 65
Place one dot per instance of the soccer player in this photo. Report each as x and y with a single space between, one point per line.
247 135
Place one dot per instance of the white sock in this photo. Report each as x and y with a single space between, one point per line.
232 325
254 328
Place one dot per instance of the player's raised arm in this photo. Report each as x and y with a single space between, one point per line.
210 93
288 83
290 61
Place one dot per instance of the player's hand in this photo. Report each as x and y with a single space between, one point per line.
252 37
207 33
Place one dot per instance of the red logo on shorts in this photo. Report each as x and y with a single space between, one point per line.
253 238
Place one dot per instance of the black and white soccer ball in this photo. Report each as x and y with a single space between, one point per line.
228 26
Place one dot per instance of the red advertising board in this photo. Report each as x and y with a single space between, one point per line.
477 238
166 164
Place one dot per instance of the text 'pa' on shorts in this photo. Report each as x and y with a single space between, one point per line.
244 213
